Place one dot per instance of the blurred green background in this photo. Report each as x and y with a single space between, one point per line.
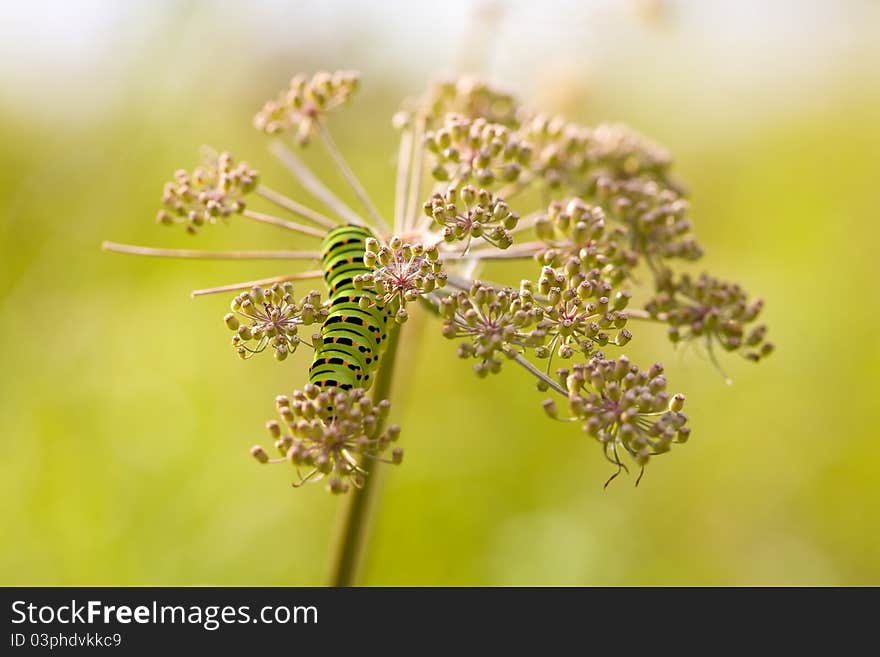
126 418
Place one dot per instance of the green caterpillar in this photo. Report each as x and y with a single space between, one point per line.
351 337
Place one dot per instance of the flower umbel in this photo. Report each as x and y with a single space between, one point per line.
576 311
272 318
298 108
579 230
400 273
474 149
469 96
656 217
718 311
561 150
329 433
619 153
489 319
464 213
590 213
213 191
624 408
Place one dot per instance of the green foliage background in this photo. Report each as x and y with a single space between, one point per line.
126 418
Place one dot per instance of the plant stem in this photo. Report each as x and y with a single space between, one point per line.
415 184
283 223
296 208
636 313
350 177
312 184
404 162
301 276
134 249
354 523
513 353
524 250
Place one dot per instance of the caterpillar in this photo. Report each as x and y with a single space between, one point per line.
352 337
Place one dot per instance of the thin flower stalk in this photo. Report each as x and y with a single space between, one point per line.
296 208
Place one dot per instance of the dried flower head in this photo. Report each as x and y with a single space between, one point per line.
329 433
212 191
300 107
715 310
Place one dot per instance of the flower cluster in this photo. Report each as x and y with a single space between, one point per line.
655 217
576 312
298 108
330 432
570 313
465 212
578 230
561 150
489 319
401 273
712 309
593 211
624 407
620 153
212 191
572 157
469 96
475 149
272 319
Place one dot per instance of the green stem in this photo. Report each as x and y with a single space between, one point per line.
354 523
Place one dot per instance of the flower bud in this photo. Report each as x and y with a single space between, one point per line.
260 454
